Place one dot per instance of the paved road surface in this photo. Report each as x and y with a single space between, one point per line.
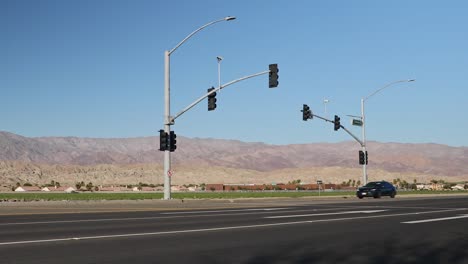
423 230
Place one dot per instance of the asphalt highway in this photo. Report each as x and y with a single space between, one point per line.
422 230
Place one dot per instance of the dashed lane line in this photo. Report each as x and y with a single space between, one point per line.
435 219
211 229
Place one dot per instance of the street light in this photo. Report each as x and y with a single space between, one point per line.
167 104
363 127
325 102
219 58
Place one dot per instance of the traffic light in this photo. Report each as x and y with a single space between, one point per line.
337 122
306 113
273 76
172 141
367 160
163 140
211 100
363 157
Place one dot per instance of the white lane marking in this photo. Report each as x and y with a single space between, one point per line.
435 219
266 210
403 207
222 211
143 218
214 229
148 234
337 213
83 220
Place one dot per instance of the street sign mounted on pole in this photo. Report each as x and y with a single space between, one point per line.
356 122
319 183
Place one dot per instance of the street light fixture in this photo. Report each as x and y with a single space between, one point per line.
363 127
167 104
325 102
219 58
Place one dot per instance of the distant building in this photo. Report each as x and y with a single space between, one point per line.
458 187
143 189
63 189
266 187
28 189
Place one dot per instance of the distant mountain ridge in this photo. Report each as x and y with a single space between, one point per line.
433 159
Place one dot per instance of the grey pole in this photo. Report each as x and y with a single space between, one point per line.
167 125
363 118
363 128
167 103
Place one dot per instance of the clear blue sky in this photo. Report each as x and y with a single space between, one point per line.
95 68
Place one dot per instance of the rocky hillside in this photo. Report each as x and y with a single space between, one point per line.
131 160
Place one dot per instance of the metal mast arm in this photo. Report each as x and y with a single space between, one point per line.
213 91
344 128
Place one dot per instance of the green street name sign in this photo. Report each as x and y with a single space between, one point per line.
357 122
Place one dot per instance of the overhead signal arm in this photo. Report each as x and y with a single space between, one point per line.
212 91
340 126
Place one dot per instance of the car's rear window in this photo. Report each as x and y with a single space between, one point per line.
373 184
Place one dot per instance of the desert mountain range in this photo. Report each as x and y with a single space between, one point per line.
132 160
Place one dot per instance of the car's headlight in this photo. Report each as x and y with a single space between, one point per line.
373 189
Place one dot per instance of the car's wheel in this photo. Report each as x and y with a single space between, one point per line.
360 196
393 195
377 195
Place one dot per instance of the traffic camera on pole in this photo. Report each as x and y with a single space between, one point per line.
211 100
163 140
306 112
273 76
337 122
172 141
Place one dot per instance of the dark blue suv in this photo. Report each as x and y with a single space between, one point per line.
376 189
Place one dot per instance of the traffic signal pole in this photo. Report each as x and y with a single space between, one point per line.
167 101
363 119
363 144
170 120
167 124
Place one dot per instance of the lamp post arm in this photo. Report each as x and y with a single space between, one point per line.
390 84
194 32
